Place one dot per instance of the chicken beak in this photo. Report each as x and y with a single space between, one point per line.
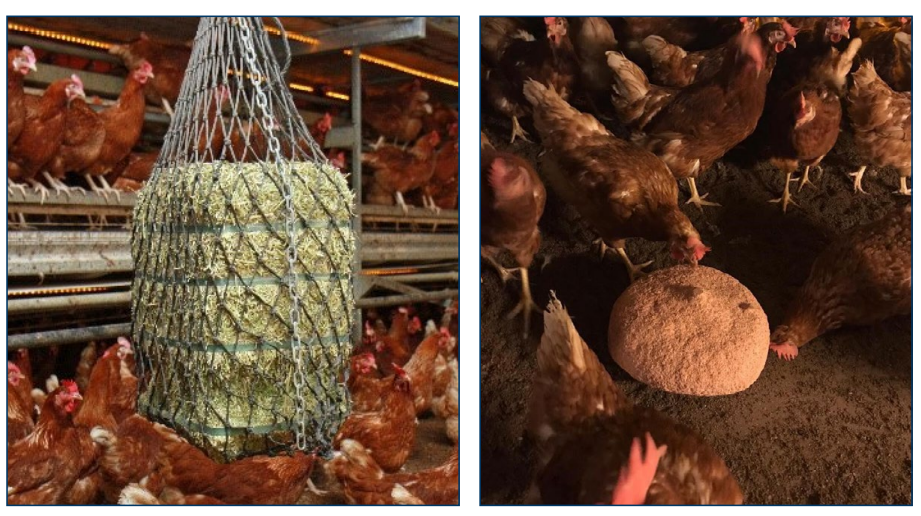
76 396
428 109
31 66
792 43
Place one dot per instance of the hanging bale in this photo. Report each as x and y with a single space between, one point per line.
243 304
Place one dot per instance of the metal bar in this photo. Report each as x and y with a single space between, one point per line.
395 286
408 254
377 32
67 287
72 263
69 336
58 303
427 239
427 277
20 40
373 302
447 24
15 196
414 212
356 181
101 84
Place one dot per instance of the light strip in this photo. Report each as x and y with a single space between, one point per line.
335 95
388 272
405 69
50 34
275 31
54 291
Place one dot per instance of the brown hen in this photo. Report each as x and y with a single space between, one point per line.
620 189
881 120
585 429
19 62
862 278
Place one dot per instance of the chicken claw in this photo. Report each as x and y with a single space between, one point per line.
785 351
636 476
803 181
903 187
518 132
858 179
786 199
40 188
10 186
635 271
504 273
698 199
526 305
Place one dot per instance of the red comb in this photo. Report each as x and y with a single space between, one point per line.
70 386
549 20
399 370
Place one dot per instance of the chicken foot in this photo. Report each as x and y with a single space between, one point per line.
696 198
634 271
11 185
785 351
40 188
58 186
518 131
398 196
903 186
786 199
858 179
104 189
429 203
526 305
504 273
804 180
636 476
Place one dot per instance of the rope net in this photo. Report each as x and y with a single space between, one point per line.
243 249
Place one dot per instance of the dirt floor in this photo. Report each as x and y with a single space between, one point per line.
831 427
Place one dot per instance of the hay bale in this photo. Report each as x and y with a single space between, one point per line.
690 330
212 307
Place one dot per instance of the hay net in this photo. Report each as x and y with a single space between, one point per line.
243 248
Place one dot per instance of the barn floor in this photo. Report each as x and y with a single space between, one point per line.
831 427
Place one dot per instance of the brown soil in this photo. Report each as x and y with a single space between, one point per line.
831 427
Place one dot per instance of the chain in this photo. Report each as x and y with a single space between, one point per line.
268 126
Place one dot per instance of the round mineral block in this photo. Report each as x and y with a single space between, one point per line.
690 330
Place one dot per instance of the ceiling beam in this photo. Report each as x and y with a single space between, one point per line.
377 32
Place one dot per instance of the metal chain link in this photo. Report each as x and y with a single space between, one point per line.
274 150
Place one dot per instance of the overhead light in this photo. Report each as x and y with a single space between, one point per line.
302 87
335 95
275 31
60 36
405 69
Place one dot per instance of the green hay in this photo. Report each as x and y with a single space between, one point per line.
212 309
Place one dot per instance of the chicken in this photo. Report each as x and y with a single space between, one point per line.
620 189
170 62
111 394
443 374
518 56
19 412
707 119
585 428
88 359
397 171
421 368
142 449
881 121
18 64
365 483
441 191
135 494
889 49
123 122
674 67
635 100
365 386
804 123
43 467
390 432
23 362
813 58
862 278
592 38
43 130
441 119
84 135
512 199
451 409
392 346
397 114
320 127
137 170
